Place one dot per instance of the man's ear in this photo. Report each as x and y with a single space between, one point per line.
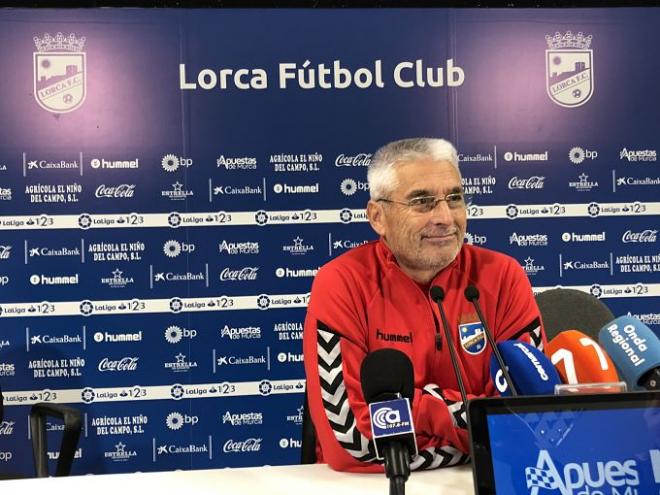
376 218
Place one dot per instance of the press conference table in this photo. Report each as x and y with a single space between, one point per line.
317 479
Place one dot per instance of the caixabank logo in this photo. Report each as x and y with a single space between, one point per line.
59 72
569 69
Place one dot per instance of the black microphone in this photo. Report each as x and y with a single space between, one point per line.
438 295
472 294
388 386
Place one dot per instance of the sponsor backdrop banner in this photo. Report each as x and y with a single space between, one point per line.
171 181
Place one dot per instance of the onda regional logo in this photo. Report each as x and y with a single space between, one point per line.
569 69
59 72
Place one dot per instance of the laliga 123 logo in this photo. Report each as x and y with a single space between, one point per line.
569 69
59 72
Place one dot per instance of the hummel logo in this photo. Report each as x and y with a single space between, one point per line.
394 337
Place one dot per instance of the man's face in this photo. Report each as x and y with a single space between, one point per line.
421 241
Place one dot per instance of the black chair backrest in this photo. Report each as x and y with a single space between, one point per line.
571 309
308 451
72 427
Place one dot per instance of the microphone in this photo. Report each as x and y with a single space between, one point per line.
579 359
472 294
635 350
388 386
532 371
438 295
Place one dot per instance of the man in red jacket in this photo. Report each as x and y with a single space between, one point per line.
377 296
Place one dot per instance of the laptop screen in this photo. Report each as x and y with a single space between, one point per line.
573 445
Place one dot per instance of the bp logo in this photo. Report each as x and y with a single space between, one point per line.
569 69
473 339
59 72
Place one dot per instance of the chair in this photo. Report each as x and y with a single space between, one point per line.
308 451
570 309
72 427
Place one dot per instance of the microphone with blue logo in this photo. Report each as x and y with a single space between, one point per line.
532 371
472 294
388 386
635 350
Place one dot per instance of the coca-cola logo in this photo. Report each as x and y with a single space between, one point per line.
123 364
533 182
359 160
647 235
247 445
120 191
7 427
246 273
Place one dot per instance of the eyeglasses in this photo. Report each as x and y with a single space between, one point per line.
426 204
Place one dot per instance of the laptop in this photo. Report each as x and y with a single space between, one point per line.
604 444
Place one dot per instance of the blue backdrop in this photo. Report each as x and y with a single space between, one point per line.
171 180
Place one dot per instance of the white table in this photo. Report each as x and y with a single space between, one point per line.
316 479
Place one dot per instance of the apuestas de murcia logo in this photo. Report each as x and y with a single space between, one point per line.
242 419
638 155
119 191
528 240
5 193
647 235
358 160
59 72
247 247
582 477
238 333
241 163
569 69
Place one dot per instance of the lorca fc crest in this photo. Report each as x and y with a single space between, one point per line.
569 69
59 72
473 339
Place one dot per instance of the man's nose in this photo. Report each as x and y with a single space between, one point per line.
442 214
